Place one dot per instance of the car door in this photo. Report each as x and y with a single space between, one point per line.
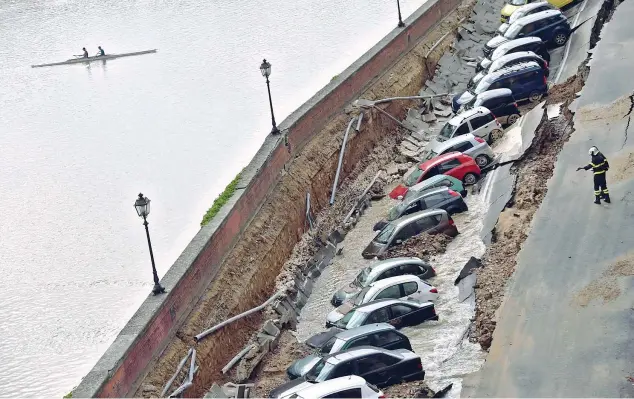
390 339
342 369
380 315
411 291
414 207
403 234
434 201
447 167
410 269
460 147
374 368
425 224
462 129
403 315
388 273
391 292
430 172
423 314
359 341
496 106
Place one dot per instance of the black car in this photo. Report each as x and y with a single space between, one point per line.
501 103
551 26
380 367
398 312
436 198
532 43
381 335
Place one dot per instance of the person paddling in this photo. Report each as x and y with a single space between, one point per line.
100 53
85 55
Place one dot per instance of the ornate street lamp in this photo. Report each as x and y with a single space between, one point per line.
142 206
400 20
265 68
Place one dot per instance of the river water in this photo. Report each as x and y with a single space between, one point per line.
79 142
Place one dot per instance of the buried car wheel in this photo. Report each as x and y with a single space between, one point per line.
512 119
482 160
470 178
535 96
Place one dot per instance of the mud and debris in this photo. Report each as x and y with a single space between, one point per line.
414 389
607 287
422 246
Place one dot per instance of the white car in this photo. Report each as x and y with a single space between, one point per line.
467 144
407 287
351 386
479 121
532 8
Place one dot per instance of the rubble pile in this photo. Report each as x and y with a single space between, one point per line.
422 246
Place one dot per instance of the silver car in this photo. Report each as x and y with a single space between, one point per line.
468 144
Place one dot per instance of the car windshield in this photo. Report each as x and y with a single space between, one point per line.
447 130
396 211
472 104
320 372
356 320
362 278
477 78
328 345
512 31
358 299
413 177
385 234
517 2
345 319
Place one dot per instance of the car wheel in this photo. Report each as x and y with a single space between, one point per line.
495 135
512 119
560 39
482 160
535 96
470 178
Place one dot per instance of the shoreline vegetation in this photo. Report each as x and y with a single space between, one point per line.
222 199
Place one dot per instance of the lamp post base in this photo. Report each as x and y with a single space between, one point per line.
275 130
158 289
401 24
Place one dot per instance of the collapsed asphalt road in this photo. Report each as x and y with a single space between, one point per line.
566 328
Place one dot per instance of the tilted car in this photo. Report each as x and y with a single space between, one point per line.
351 386
378 366
381 270
523 11
437 198
400 287
551 26
531 43
502 104
433 221
381 335
434 182
468 144
512 6
398 312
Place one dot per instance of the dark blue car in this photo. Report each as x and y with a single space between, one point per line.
527 81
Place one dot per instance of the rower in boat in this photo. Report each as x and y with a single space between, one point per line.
85 55
100 53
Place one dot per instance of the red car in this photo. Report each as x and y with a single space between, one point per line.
454 164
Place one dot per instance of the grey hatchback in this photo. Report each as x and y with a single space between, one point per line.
380 335
437 198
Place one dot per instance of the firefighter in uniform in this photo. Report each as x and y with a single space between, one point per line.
599 165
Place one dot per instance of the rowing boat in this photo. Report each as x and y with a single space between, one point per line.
98 58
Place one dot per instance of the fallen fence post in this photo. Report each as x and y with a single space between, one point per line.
237 357
343 150
237 317
359 122
178 370
181 389
192 366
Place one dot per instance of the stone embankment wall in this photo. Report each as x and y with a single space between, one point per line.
231 264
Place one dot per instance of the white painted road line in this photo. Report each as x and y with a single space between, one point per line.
563 61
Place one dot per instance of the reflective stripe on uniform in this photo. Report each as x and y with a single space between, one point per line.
597 192
600 172
606 191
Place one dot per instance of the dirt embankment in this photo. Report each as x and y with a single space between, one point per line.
250 274
533 173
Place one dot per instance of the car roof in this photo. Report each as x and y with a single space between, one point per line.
331 386
390 263
425 193
402 221
525 9
470 113
440 146
536 17
487 95
512 57
524 66
345 335
357 352
381 303
434 161
434 179
404 278
511 44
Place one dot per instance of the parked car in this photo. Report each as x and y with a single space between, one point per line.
433 221
513 5
531 43
502 104
468 144
454 164
381 335
479 121
378 366
523 11
433 182
436 198
526 82
551 26
406 287
398 312
381 270
507 61
351 386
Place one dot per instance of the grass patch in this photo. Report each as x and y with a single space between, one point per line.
69 395
221 200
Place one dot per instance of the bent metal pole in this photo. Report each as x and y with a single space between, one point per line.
343 150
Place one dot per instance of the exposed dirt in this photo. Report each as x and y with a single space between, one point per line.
271 373
423 246
607 287
622 167
414 389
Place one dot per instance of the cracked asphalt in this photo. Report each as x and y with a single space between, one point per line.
566 328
